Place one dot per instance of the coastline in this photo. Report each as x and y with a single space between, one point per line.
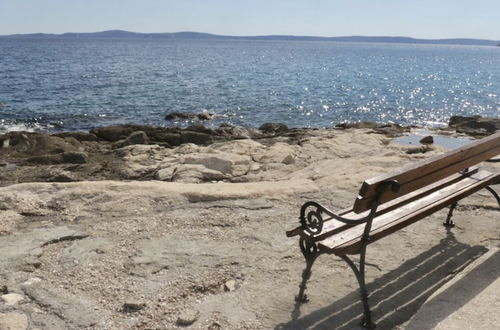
117 229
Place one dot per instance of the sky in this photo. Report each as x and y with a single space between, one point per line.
413 18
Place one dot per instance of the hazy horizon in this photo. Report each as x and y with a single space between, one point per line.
448 19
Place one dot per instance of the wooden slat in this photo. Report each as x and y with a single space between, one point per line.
349 241
418 175
332 226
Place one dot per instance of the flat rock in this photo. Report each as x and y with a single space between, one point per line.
12 298
75 311
13 321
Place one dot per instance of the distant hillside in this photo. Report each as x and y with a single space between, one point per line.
198 35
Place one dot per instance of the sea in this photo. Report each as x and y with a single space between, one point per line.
78 84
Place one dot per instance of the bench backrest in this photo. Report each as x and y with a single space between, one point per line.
427 172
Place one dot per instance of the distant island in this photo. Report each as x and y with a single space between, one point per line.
206 36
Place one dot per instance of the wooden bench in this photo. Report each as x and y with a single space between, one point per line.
387 203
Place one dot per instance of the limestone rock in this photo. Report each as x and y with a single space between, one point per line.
12 298
230 285
13 321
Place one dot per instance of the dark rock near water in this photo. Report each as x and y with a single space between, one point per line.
33 144
190 116
196 137
273 128
391 130
75 157
361 124
138 137
475 125
427 140
79 136
114 133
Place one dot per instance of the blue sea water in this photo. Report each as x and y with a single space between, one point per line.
78 84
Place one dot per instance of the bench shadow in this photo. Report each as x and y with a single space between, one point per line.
395 296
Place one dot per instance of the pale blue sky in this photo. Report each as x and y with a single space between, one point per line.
420 19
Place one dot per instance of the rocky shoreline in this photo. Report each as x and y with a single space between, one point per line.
138 152
140 227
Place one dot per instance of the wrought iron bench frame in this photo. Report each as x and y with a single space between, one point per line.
313 216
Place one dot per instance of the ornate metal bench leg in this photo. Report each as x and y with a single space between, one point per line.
310 252
360 276
449 223
494 193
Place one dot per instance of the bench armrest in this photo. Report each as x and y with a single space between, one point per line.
494 160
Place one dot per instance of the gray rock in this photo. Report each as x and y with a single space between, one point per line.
75 157
138 137
133 306
80 136
196 137
427 140
188 317
76 312
475 125
273 128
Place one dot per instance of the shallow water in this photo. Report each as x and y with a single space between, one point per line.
77 84
447 142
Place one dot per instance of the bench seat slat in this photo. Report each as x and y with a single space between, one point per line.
349 241
418 175
332 226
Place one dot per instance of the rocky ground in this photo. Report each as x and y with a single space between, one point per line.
131 228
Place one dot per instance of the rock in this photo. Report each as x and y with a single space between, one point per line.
273 128
188 317
31 281
288 160
132 307
172 138
196 138
35 144
205 116
80 136
418 150
391 130
45 160
180 115
4 289
189 173
230 285
139 137
12 298
361 124
76 311
62 176
475 125
113 133
13 321
427 140
75 157
200 128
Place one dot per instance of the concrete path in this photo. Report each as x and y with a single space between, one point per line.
471 300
